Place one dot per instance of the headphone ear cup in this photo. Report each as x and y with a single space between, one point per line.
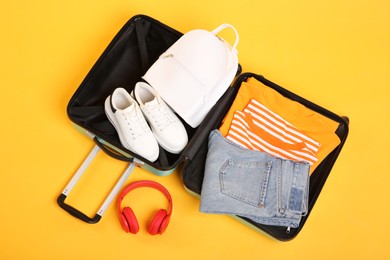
124 223
158 225
130 220
164 224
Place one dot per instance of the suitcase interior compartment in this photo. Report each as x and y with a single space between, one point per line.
132 51
193 170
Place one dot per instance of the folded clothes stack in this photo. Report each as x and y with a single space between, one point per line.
260 159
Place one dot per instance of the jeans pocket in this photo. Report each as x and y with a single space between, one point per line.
246 181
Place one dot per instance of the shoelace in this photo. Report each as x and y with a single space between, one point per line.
134 121
160 115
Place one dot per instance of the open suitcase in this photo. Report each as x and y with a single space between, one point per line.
129 55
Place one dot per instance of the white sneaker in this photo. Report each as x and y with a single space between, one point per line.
167 128
133 130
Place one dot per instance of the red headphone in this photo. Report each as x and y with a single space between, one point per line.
127 217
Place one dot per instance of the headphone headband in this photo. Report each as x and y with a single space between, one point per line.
147 184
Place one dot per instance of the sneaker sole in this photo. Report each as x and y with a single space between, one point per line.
111 118
166 148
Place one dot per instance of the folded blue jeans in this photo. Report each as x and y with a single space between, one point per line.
253 184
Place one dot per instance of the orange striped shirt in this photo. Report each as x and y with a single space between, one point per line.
258 128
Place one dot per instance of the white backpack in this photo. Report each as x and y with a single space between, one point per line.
195 72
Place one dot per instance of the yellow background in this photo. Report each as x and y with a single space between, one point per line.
334 53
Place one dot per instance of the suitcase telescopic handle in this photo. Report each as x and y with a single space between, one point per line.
77 213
